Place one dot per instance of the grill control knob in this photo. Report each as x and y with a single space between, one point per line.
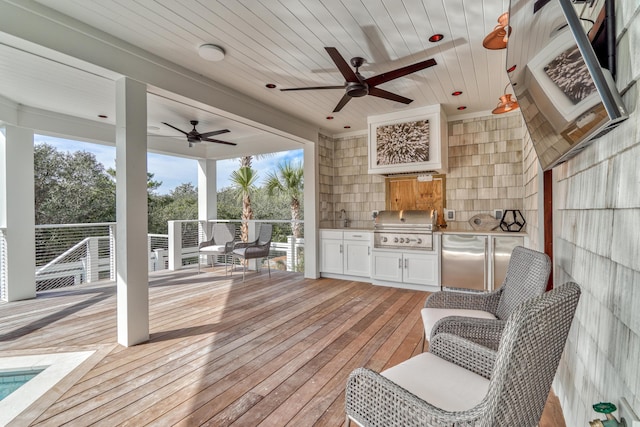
384 239
395 240
419 241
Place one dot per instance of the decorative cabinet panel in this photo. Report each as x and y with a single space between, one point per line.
408 141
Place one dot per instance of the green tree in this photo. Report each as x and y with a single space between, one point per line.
288 180
71 188
243 181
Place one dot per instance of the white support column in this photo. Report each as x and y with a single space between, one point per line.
93 260
311 213
17 211
175 245
207 191
131 212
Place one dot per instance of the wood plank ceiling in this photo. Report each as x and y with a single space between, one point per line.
282 42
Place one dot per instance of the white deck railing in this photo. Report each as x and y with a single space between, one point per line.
72 254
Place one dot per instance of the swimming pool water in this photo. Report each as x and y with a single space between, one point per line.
13 380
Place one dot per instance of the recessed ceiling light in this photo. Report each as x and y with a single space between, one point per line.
329 117
270 86
456 93
512 68
103 116
211 52
347 127
436 38
462 107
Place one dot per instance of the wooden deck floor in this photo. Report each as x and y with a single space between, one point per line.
268 352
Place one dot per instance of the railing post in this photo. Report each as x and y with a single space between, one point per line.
112 252
291 253
93 260
175 245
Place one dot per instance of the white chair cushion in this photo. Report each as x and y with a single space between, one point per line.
431 315
441 383
217 249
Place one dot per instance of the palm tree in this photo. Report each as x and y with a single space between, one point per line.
243 181
288 180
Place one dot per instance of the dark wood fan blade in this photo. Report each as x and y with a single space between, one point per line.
173 127
314 88
380 93
214 133
346 98
400 72
218 141
346 70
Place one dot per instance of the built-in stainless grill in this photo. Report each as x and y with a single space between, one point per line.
404 230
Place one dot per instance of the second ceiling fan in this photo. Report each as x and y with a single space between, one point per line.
356 85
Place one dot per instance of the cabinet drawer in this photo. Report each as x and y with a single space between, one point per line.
357 235
330 234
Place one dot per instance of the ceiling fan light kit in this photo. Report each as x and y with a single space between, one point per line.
356 85
497 39
211 52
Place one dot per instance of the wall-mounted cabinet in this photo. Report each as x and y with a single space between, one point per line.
345 253
408 141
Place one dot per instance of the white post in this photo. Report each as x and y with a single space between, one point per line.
175 245
112 252
93 260
17 211
291 253
131 212
311 212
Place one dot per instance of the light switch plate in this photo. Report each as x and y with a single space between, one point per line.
498 214
450 214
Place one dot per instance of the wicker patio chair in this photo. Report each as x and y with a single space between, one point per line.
481 316
221 243
256 249
461 383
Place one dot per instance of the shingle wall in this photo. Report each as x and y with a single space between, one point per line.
597 216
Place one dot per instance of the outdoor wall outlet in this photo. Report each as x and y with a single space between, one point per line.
374 214
498 214
450 214
626 412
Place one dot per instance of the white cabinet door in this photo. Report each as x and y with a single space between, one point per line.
387 266
420 269
357 258
331 256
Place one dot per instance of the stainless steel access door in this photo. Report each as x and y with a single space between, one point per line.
464 261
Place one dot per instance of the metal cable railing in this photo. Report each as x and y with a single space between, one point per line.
71 254
3 266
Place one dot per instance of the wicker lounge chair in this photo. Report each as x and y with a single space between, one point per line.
461 383
526 277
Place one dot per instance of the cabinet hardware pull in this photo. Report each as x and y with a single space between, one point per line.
340 248
405 263
368 250
399 262
356 235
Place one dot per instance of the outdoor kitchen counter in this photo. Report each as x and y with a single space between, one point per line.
497 232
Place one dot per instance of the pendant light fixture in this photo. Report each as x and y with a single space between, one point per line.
506 103
497 39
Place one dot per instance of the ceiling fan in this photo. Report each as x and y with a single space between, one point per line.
356 85
194 136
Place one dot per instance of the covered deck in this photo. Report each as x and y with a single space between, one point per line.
269 352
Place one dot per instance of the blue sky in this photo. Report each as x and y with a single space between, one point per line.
172 171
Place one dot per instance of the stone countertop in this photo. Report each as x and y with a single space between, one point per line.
496 232
348 229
